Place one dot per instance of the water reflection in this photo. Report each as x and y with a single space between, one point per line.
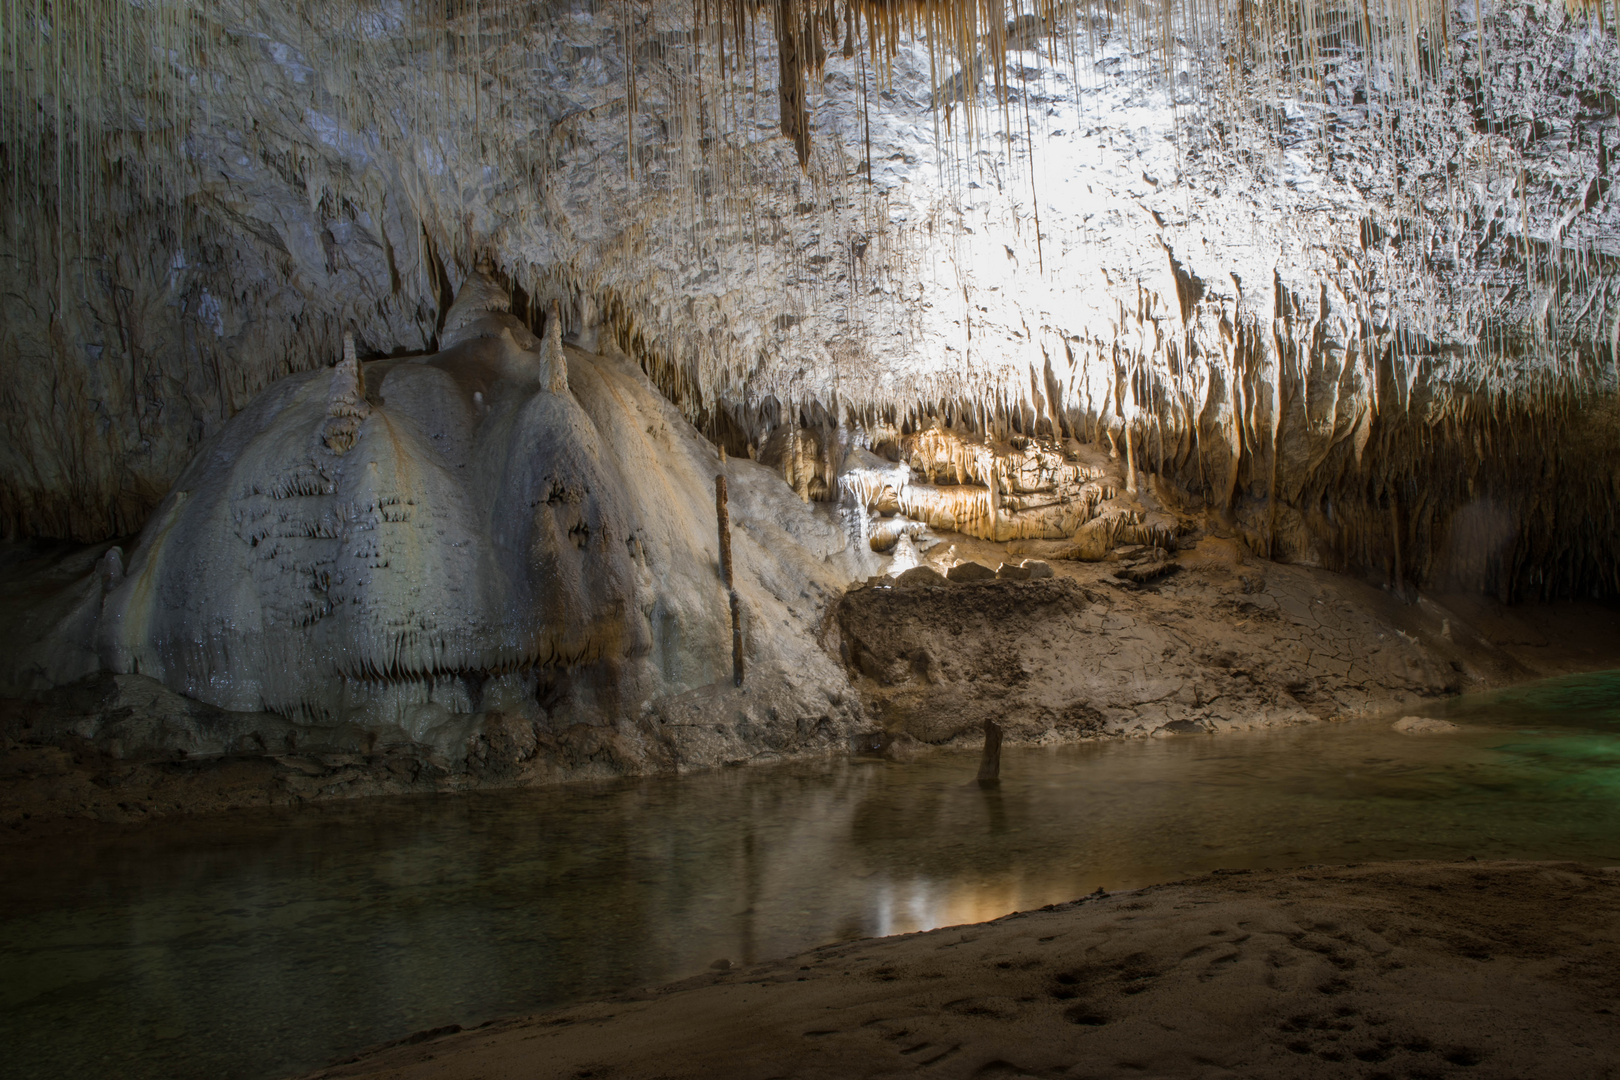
269 944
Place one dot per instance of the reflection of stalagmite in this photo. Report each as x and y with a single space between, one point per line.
990 761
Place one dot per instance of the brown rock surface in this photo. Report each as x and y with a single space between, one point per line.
1402 969
1225 643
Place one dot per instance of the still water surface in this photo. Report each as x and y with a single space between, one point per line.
263 945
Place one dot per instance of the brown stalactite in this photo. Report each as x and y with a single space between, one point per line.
736 640
1130 460
791 58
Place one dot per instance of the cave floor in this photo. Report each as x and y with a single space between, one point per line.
1421 969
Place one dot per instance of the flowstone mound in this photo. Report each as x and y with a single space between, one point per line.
508 527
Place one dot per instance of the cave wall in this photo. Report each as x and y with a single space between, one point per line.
1360 321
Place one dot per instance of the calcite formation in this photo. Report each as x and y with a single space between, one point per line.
1004 491
1100 284
498 528
1343 277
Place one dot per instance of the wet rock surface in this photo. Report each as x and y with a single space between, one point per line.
1401 969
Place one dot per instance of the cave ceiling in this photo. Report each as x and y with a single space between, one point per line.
1289 247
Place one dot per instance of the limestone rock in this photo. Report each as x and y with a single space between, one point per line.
970 571
506 528
1148 569
1094 540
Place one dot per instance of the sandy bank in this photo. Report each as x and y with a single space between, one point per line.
1503 969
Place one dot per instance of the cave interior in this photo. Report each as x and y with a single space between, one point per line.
411 397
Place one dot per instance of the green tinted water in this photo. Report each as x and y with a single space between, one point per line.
264 945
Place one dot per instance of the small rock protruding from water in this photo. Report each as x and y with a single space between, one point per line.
1423 725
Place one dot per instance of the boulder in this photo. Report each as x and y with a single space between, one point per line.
919 575
1423 725
970 571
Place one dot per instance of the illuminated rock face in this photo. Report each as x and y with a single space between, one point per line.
1347 321
1033 490
504 527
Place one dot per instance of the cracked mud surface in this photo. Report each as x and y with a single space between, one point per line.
1222 643
1385 970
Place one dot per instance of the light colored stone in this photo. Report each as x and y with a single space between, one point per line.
438 548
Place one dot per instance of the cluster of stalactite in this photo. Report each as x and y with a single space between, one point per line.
1350 421
1373 464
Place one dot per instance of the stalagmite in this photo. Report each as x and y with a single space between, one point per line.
722 514
990 762
455 547
346 404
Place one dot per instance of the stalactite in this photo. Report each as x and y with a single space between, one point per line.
103 108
